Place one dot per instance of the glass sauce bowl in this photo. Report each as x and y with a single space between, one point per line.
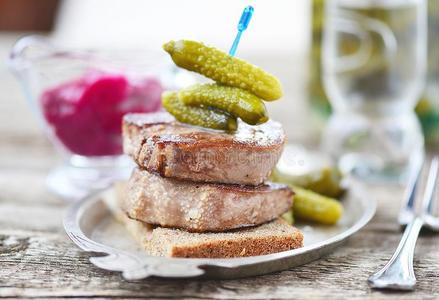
80 98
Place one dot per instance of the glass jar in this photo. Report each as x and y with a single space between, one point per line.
427 108
374 65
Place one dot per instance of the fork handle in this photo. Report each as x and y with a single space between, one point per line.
398 273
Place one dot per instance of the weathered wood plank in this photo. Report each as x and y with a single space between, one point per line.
26 153
61 270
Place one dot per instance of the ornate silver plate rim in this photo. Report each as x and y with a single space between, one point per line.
136 267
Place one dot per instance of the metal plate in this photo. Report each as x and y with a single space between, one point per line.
90 225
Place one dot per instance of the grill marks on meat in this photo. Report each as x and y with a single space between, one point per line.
202 180
160 144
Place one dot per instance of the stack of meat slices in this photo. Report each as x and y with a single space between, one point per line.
203 193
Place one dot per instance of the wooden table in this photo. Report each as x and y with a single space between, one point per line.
38 260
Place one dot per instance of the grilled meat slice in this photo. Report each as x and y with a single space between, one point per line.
158 143
202 207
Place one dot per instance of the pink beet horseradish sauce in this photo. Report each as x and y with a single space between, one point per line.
85 114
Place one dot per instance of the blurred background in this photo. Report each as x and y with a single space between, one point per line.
277 40
283 33
284 38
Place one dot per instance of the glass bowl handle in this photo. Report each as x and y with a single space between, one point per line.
18 60
360 27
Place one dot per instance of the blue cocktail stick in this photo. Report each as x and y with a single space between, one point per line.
242 25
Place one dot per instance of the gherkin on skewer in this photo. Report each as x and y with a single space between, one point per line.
235 101
199 116
223 68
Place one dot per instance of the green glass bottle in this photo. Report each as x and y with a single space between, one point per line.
428 106
317 96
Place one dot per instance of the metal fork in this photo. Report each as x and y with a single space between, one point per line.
398 273
407 212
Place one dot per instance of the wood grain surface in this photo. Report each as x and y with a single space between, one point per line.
37 260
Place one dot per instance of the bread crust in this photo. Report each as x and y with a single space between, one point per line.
271 237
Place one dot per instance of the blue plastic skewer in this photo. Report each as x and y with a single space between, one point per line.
242 25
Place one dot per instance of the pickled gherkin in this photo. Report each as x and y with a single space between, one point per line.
199 116
314 207
326 181
312 170
223 68
235 101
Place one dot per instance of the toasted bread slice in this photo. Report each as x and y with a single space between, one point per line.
204 207
272 237
160 144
